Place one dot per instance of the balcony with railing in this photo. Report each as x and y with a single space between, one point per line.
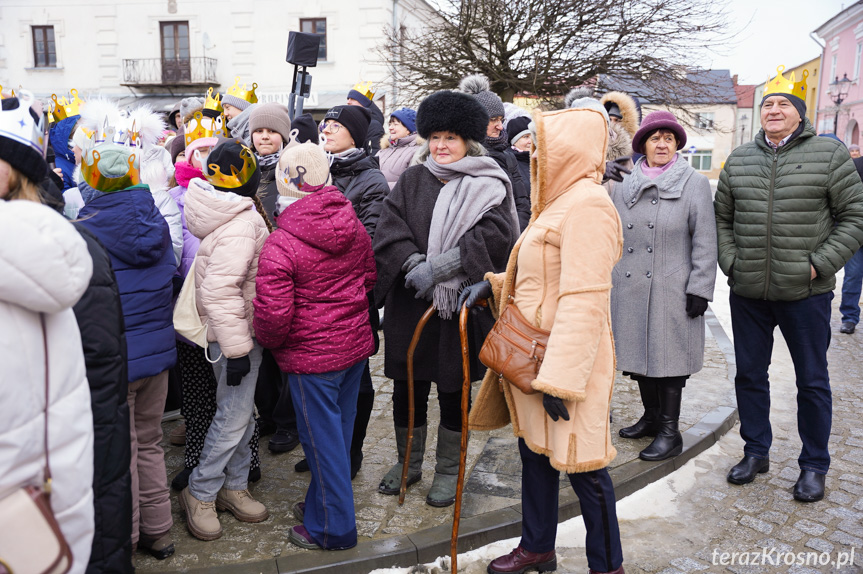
190 73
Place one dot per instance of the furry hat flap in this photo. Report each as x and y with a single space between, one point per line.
447 111
576 94
148 124
474 84
628 109
619 142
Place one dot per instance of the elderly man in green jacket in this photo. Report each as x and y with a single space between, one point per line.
789 214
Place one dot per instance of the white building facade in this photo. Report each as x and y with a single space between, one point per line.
162 50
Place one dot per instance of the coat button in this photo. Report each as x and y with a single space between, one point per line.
630 250
628 273
649 274
650 249
650 226
629 226
633 201
653 202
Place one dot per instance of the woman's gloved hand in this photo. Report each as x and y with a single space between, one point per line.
237 369
412 261
695 306
473 293
421 278
554 407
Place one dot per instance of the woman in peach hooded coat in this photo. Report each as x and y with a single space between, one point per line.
564 258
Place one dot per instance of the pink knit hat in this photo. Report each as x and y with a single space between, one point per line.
656 121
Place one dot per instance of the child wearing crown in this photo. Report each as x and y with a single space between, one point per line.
224 213
311 310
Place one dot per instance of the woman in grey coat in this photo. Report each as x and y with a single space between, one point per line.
664 280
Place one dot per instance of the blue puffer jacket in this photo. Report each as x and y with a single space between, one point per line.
63 156
137 239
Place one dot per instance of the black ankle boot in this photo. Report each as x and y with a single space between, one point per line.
668 441
648 424
365 402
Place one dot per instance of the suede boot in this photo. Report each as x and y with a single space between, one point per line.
668 441
648 424
442 492
365 402
391 482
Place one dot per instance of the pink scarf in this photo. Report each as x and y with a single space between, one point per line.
184 172
651 172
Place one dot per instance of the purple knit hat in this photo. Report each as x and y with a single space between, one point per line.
655 121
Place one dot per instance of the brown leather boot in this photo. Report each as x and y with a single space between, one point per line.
520 560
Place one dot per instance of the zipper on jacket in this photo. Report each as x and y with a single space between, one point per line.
770 222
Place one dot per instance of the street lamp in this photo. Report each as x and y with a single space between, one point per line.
838 90
743 119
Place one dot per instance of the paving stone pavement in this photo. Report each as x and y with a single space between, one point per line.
685 522
493 482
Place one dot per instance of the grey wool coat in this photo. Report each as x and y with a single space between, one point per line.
669 251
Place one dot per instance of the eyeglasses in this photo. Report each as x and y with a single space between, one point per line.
332 127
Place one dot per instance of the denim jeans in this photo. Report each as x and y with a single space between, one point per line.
539 503
850 306
805 325
326 404
226 456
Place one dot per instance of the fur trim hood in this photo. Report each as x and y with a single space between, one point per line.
619 142
628 109
416 141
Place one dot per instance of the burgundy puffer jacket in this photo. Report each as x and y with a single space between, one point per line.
311 307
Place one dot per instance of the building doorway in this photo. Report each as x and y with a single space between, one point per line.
176 64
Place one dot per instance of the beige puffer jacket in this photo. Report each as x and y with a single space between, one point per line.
232 233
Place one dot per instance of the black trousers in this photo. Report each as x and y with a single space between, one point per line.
539 500
450 405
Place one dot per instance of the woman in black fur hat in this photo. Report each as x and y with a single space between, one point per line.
436 231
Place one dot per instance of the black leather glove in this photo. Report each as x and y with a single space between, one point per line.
615 169
695 306
473 293
554 407
237 369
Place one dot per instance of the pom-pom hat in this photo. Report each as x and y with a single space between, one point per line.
456 112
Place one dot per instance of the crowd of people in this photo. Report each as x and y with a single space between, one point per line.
245 254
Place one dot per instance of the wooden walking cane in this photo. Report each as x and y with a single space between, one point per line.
411 348
465 401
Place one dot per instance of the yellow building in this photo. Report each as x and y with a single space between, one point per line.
812 66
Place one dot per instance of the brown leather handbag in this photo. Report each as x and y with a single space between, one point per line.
514 348
31 541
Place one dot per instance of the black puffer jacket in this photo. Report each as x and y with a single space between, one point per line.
520 190
103 335
364 185
268 193
780 211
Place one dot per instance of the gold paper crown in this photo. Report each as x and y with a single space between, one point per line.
243 93
214 104
781 85
201 126
237 178
97 180
64 108
365 88
1 93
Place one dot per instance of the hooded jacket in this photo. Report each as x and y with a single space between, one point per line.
780 211
628 109
315 270
64 158
564 261
46 269
139 243
232 234
363 184
395 157
103 334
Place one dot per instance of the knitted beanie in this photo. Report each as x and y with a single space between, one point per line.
302 167
479 87
407 117
272 116
355 119
227 154
795 100
178 145
19 152
307 129
188 107
355 95
238 103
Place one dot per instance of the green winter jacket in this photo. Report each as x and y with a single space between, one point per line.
778 211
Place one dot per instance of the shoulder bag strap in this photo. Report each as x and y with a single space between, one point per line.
47 473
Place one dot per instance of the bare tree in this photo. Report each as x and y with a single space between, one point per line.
545 47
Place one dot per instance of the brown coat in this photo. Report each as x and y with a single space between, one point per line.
565 259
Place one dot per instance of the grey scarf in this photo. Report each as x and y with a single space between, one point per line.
474 185
667 182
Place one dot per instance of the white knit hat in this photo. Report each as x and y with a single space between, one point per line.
300 167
